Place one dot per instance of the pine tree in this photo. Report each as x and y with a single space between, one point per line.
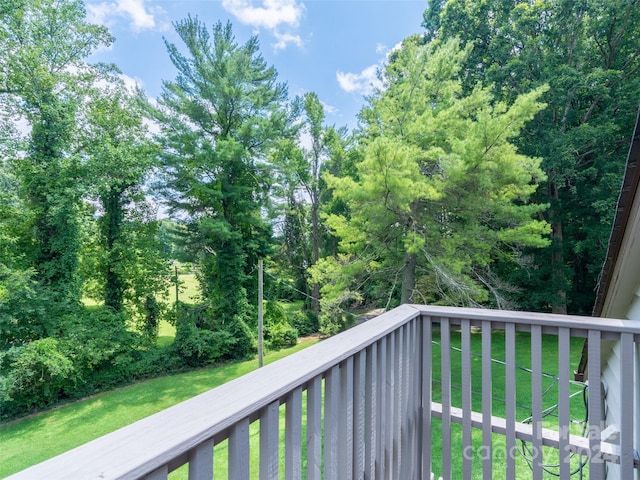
220 118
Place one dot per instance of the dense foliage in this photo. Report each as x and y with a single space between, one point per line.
483 172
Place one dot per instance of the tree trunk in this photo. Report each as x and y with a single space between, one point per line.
315 234
408 278
111 230
559 301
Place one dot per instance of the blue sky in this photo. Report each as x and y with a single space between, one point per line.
331 47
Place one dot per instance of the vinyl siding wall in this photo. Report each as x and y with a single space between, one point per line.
611 378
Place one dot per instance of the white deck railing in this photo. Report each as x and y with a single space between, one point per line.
361 405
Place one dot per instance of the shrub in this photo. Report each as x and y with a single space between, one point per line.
23 311
101 347
197 347
280 335
306 322
33 376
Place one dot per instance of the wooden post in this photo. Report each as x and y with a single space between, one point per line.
177 284
260 317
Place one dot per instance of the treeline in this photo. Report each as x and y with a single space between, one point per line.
484 172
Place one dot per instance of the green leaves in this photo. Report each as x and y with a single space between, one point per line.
221 118
440 191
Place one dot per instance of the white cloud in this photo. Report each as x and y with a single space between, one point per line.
328 108
367 81
285 39
364 82
272 15
131 83
140 15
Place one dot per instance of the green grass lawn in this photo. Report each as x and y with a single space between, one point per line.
523 399
188 292
34 439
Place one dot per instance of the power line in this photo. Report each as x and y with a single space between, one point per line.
311 297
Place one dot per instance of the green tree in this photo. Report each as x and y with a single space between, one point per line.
587 52
440 192
300 164
120 157
220 118
43 75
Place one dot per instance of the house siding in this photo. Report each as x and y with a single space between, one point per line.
611 377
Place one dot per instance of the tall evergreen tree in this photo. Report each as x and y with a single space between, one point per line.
220 118
440 189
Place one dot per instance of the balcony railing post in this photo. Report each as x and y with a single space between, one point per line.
596 465
345 437
239 451
293 436
314 429
201 462
398 400
269 438
371 408
425 418
510 399
359 395
487 400
331 423
466 400
445 387
564 349
536 401
626 407
381 409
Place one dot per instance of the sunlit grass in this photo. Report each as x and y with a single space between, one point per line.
523 400
34 439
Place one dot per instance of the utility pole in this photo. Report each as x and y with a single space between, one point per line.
260 317
175 266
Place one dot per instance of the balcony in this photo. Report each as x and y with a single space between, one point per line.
406 394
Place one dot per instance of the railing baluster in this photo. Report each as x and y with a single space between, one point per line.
389 410
398 401
408 396
239 451
269 440
293 436
416 381
345 438
161 473
201 461
425 433
331 423
467 442
536 400
445 382
626 407
314 429
359 442
487 399
564 350
382 408
596 465
371 412
510 399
